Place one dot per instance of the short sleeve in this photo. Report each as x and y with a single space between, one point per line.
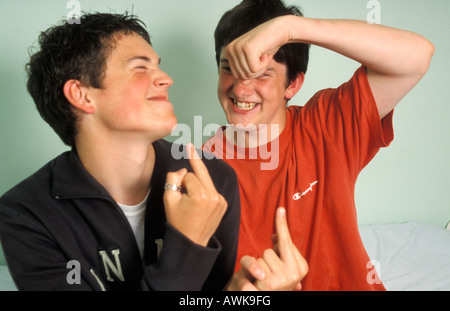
349 121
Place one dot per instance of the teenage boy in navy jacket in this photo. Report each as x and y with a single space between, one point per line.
117 212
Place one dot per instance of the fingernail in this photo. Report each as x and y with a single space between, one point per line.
182 171
282 211
261 274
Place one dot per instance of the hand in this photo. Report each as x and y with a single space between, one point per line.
280 268
283 265
250 54
250 271
197 212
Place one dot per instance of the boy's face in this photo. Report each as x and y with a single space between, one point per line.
257 101
134 94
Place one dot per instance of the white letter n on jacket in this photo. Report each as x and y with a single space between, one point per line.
110 266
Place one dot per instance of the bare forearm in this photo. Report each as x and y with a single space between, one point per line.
383 49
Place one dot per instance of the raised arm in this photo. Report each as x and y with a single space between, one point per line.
395 59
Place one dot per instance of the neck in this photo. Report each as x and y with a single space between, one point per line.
123 167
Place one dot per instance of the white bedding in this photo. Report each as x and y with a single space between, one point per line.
411 256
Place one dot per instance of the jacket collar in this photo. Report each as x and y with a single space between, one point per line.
72 180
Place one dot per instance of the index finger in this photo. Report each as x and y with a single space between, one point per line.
199 168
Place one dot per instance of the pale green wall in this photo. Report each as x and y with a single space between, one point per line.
409 181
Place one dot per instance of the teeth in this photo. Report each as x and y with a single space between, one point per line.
244 106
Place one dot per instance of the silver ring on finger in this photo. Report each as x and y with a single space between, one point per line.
173 187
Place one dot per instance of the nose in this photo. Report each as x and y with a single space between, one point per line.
163 79
242 88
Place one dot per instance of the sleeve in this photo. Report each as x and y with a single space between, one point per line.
28 248
227 232
182 265
349 120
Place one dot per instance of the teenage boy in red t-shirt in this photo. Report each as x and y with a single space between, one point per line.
306 159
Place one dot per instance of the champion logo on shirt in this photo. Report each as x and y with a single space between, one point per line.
299 195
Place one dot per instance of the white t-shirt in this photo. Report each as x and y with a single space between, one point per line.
136 217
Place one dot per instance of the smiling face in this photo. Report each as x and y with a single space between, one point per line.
134 93
256 101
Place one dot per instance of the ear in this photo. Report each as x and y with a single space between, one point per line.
295 86
76 93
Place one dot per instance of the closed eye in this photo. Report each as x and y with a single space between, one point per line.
224 65
226 69
142 62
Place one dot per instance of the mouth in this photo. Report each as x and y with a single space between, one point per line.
244 106
159 98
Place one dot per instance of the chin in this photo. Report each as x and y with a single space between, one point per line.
232 120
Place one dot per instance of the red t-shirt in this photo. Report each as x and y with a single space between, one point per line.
322 149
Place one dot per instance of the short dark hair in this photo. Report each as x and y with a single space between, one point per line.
74 51
251 13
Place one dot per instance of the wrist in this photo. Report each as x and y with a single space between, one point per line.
291 26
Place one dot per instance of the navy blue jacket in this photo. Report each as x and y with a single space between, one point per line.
61 230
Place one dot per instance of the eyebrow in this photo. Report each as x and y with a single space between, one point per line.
142 58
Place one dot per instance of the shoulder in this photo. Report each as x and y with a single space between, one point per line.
356 88
26 203
35 190
29 188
